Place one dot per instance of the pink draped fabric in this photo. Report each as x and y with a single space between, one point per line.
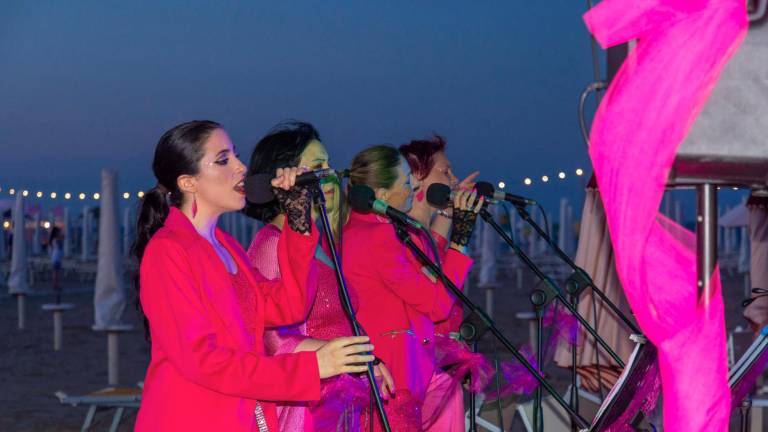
682 47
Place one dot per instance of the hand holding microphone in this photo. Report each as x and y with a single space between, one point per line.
295 200
466 206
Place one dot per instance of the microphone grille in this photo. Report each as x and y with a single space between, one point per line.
258 188
439 194
361 197
485 189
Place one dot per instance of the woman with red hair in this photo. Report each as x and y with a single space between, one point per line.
444 403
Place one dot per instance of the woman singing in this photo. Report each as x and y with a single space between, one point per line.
342 397
208 369
444 405
399 300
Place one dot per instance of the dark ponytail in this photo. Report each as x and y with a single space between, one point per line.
178 153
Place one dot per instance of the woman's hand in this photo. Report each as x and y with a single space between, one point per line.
468 183
285 178
386 382
344 355
465 210
295 201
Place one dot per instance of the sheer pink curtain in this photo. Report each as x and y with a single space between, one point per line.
647 111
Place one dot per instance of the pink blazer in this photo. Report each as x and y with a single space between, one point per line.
398 302
207 372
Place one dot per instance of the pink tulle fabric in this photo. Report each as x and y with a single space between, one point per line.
682 47
342 397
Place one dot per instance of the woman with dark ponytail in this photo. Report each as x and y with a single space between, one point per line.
206 310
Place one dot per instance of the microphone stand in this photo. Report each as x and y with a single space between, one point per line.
347 304
486 321
580 279
545 292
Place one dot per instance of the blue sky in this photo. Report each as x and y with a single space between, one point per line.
92 84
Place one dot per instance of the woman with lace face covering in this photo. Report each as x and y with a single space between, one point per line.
399 300
208 369
343 397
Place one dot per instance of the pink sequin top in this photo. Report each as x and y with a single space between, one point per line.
326 320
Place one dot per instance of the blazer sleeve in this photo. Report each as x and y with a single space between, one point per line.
402 273
180 326
289 299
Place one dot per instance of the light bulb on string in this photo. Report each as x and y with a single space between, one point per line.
527 181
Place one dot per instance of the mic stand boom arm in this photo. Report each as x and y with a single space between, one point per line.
405 237
347 304
551 290
580 278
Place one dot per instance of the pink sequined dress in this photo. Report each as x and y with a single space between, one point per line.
341 397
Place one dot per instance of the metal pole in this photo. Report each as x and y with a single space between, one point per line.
706 239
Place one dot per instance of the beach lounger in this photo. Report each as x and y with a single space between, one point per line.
119 398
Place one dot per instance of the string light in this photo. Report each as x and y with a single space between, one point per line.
6 224
545 178
561 175
126 195
96 196
527 181
12 191
53 195
24 193
140 194
47 225
579 171
67 196
39 194
501 185
81 196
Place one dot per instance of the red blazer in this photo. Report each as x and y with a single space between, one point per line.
207 372
398 302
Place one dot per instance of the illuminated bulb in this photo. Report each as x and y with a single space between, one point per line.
81 196
53 195
140 194
12 191
579 171
561 175
39 194
67 195
501 185
96 196
735 188
6 224
527 181
25 193
545 178
47 225
126 195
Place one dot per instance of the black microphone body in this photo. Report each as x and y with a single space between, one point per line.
258 187
441 195
363 199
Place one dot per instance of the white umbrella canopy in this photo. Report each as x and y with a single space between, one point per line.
757 312
489 250
65 229
109 297
565 232
36 241
18 279
735 217
85 237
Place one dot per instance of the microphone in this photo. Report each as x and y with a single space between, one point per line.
363 199
258 187
487 190
440 195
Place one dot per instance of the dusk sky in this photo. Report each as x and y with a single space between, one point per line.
92 84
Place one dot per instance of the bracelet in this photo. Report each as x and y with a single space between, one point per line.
443 213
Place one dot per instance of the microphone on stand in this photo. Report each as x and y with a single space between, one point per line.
440 195
258 187
363 199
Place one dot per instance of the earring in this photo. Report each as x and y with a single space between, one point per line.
194 205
